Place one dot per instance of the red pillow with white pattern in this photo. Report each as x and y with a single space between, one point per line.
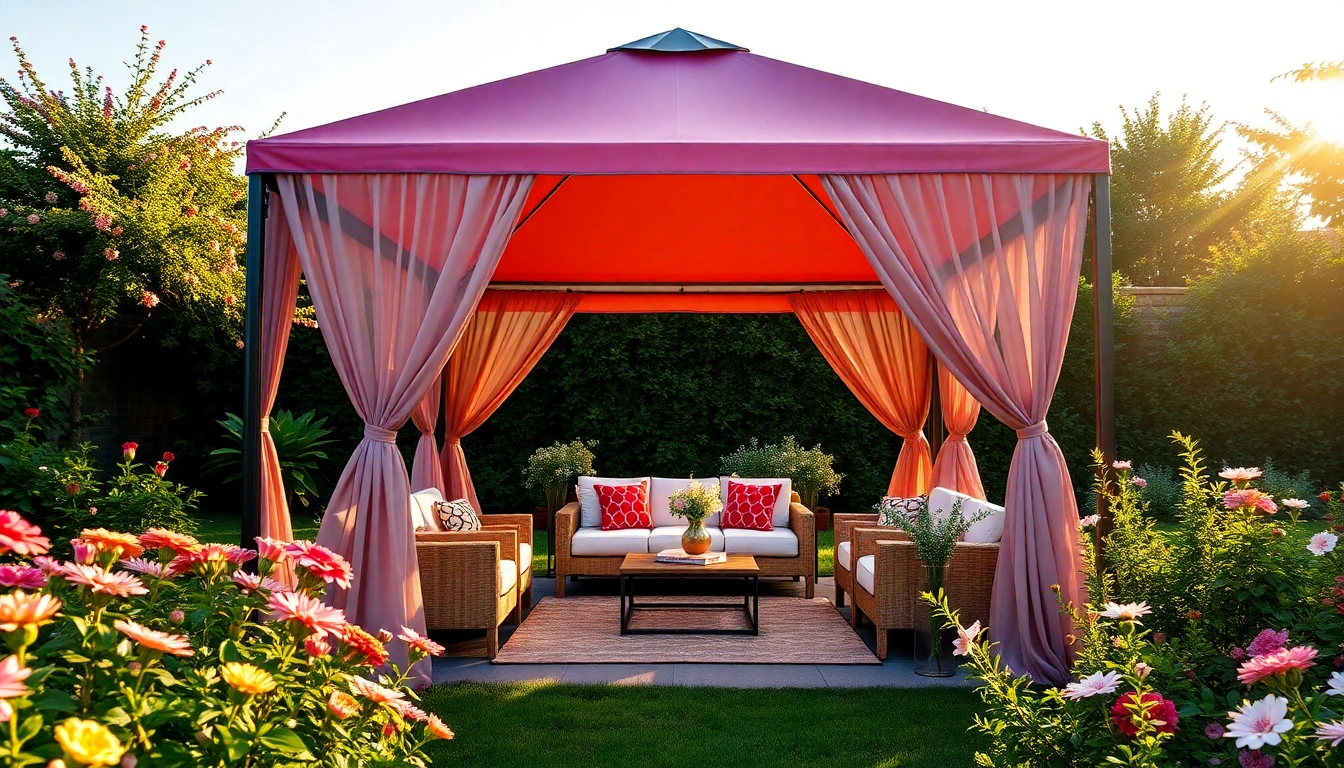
750 506
624 506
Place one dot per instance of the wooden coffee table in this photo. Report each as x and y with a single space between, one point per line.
646 565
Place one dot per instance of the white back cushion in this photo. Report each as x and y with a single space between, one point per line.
988 530
662 487
780 519
423 515
590 514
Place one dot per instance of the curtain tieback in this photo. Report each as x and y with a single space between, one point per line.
265 424
912 436
953 437
380 435
1033 430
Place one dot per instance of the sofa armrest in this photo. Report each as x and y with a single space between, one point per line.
567 520
865 539
520 523
506 538
804 525
459 582
844 522
970 579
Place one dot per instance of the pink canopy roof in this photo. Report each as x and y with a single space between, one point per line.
646 109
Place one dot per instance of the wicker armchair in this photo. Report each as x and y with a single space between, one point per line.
470 580
899 577
844 524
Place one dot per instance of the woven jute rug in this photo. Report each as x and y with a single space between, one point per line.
587 630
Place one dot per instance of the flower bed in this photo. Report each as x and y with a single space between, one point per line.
159 650
1217 644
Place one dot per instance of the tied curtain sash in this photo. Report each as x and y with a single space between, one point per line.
505 338
879 355
395 264
986 267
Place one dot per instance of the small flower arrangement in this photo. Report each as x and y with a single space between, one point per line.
554 468
695 502
158 650
934 535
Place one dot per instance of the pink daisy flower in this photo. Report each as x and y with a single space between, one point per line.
251 582
12 675
22 576
1268 641
420 643
177 645
1276 663
373 691
20 536
149 567
1332 732
320 562
1240 474
270 549
116 584
296 607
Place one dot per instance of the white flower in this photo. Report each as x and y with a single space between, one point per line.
1260 723
1336 684
1122 464
1096 684
1089 521
1322 543
1126 611
1295 503
965 639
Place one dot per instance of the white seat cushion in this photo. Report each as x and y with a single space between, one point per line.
669 537
508 576
988 530
863 573
780 518
659 490
780 542
424 517
590 514
595 542
842 555
525 554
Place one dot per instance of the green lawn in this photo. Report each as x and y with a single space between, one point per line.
559 726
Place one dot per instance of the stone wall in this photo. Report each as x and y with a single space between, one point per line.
1154 306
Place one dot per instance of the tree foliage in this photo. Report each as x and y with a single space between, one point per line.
105 210
1174 200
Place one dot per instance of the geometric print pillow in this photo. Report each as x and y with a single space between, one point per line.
457 515
892 506
624 506
750 506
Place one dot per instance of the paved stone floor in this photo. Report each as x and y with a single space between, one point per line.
465 664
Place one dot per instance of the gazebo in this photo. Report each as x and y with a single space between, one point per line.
916 241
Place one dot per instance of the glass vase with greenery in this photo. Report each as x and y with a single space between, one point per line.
693 504
299 443
811 472
934 534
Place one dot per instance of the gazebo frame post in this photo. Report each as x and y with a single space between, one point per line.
251 474
1104 336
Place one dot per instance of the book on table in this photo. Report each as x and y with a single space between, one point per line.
680 557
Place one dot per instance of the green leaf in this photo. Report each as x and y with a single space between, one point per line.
287 742
53 700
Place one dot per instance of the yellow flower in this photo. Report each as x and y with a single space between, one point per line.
247 678
88 743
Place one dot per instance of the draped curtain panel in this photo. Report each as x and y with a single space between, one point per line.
986 267
955 465
506 337
426 470
880 356
395 264
280 288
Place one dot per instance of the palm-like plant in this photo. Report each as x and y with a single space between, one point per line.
298 443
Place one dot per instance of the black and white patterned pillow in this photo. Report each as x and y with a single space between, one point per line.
892 506
457 515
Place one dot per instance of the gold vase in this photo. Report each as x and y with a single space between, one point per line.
695 541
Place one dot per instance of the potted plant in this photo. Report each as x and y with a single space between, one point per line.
693 504
934 534
810 471
554 469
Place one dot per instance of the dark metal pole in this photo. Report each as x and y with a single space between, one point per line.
256 237
1104 334
935 430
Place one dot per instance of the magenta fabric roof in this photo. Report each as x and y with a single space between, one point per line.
706 111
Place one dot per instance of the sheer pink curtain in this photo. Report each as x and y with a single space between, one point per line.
395 265
986 266
426 471
955 466
280 287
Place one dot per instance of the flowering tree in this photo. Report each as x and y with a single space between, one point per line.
105 211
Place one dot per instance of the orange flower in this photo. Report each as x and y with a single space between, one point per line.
177 645
26 609
121 544
161 538
246 678
361 643
438 729
342 705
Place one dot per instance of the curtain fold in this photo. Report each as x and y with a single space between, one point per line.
395 264
955 466
880 356
986 267
503 341
279 290
426 470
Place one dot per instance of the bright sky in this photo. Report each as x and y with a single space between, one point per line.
1058 64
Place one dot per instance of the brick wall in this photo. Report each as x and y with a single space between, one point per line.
1155 305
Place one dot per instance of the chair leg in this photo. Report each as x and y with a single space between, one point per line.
559 586
525 601
491 643
839 597
855 616
881 643
811 587
516 615
795 578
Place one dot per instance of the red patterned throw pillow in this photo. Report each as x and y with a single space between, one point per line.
750 506
624 506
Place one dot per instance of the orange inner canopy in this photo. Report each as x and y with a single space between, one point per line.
651 231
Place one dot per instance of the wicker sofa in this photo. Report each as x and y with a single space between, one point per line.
473 580
586 550
885 577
